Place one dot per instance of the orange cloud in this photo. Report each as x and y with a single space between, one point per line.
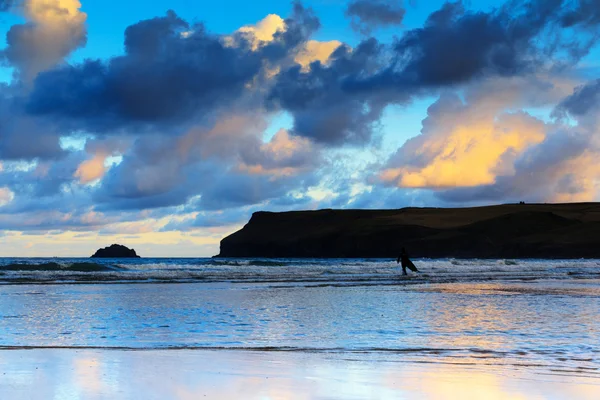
469 153
264 32
316 51
56 27
577 179
92 169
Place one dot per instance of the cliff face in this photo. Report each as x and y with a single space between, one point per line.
505 231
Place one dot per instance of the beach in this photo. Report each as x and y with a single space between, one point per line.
299 329
188 374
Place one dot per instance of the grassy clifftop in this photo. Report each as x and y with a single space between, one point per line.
503 231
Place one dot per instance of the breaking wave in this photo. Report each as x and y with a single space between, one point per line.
53 266
288 272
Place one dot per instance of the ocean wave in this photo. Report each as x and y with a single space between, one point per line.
53 266
254 263
290 271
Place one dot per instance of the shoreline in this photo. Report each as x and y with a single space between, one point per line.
184 374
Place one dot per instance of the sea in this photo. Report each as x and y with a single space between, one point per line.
541 314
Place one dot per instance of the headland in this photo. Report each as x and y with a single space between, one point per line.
502 231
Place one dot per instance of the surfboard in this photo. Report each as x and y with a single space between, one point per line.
411 266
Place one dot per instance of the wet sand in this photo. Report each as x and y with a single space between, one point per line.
197 374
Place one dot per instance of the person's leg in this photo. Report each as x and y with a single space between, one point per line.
404 270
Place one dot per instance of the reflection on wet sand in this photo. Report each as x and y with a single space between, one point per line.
159 374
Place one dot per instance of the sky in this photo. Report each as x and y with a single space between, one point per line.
164 125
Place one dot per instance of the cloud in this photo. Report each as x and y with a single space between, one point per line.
340 103
92 169
271 29
6 5
513 40
284 155
264 31
181 123
476 151
369 14
163 78
462 145
95 168
53 29
6 196
235 166
238 189
23 137
585 12
166 79
500 43
35 183
560 169
582 104
322 109
316 51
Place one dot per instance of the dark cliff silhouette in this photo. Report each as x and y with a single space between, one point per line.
504 231
115 251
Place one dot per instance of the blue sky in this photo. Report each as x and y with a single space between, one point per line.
121 122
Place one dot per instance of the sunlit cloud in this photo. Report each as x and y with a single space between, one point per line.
263 32
316 51
54 28
91 170
467 153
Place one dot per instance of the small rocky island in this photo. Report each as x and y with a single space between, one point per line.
502 231
115 251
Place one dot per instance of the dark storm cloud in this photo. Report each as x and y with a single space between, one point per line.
586 98
456 45
302 23
5 5
172 72
323 110
166 76
23 137
585 12
341 102
369 14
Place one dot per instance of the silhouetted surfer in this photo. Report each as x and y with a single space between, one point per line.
406 263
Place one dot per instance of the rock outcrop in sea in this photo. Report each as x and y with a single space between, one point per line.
503 231
115 251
